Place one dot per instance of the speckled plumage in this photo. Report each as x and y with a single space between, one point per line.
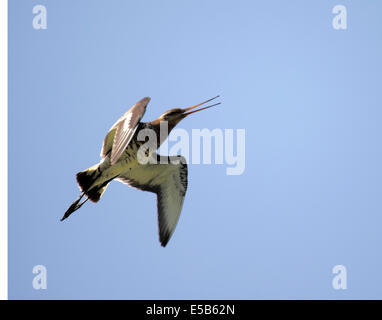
167 178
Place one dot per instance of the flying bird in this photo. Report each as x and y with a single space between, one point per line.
167 176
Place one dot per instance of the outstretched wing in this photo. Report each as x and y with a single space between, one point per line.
169 182
123 130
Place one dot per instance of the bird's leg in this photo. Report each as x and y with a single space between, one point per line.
80 205
75 206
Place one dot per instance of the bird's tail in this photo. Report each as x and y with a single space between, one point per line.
85 180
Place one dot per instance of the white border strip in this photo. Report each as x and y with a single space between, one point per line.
4 150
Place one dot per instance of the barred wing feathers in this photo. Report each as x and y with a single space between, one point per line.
169 182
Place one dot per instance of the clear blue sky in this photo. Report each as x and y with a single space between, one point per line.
308 96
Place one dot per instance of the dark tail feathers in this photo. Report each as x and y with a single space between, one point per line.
85 180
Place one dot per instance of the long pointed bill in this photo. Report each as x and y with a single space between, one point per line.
188 113
204 102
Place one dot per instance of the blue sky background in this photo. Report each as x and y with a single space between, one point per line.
308 96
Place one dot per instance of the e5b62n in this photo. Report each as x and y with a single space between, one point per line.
212 309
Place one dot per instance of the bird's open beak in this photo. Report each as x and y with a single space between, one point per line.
185 113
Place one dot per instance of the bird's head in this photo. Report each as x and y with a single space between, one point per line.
174 116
